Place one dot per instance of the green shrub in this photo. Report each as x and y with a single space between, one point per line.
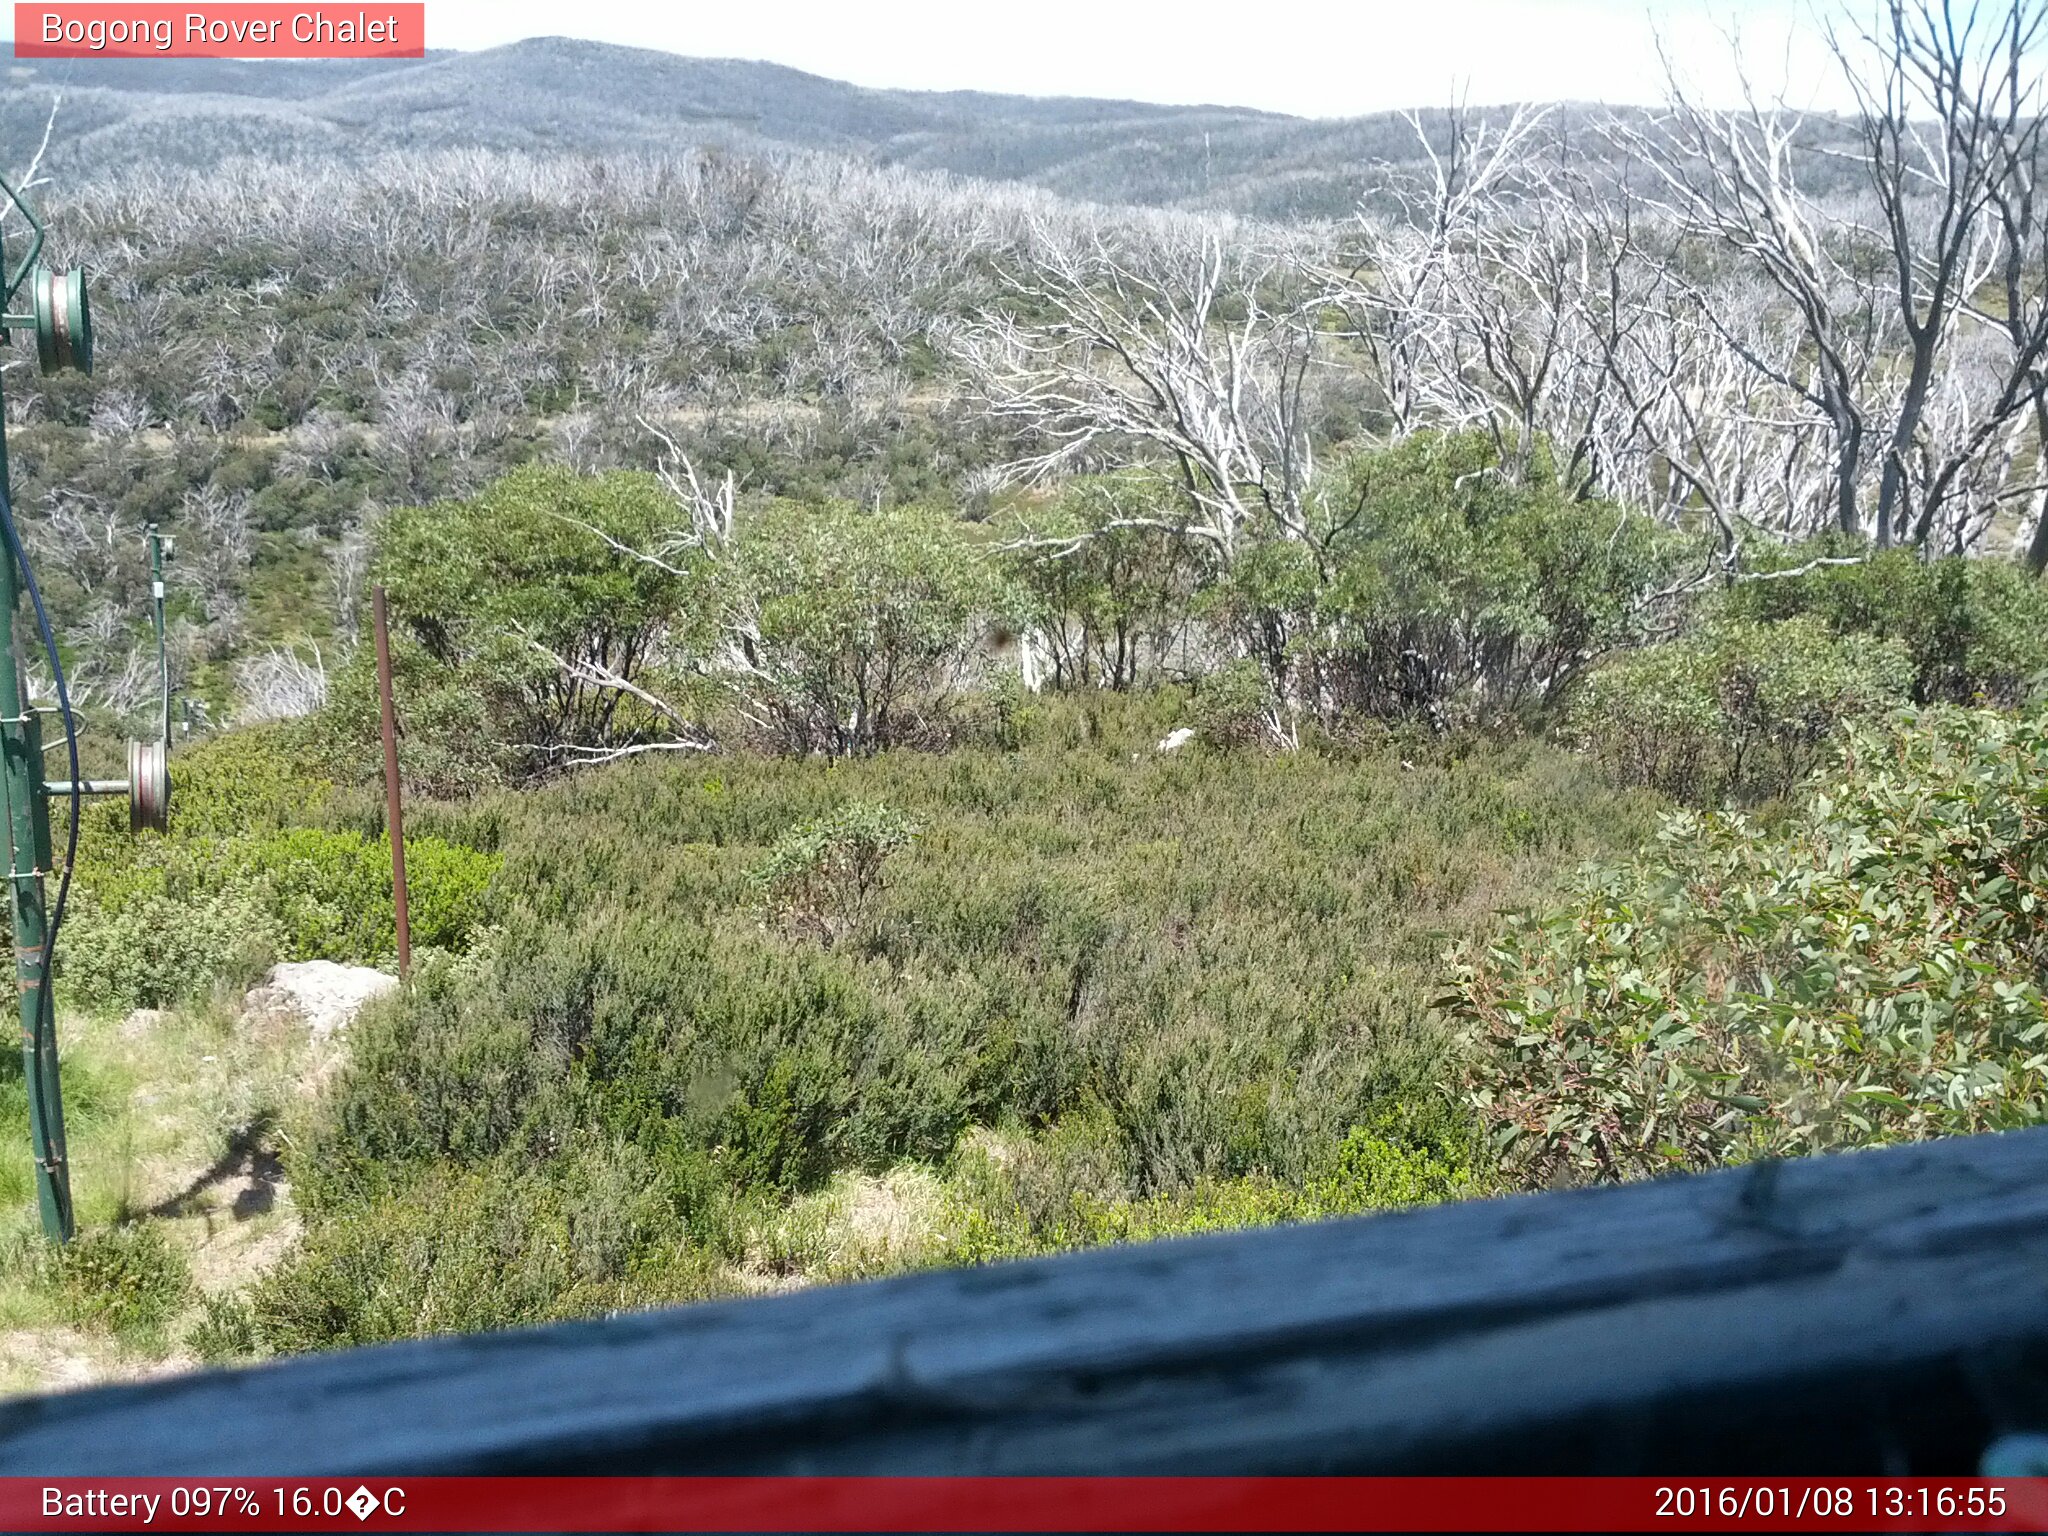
1072 1187
1868 973
253 780
467 1251
1010 715
1456 594
231 785
1401 1159
1107 580
235 886
126 1278
1976 630
1235 706
225 1332
154 918
516 604
451 742
1741 710
860 625
331 892
821 877
165 942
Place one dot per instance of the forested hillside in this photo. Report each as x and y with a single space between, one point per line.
975 681
562 96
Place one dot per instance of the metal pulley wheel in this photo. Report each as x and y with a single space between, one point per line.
149 786
63 321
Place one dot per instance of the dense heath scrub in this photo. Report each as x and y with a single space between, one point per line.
742 1022
1060 991
691 1027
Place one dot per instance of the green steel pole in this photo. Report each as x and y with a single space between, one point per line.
21 774
163 656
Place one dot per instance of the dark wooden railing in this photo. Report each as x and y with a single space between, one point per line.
1873 1312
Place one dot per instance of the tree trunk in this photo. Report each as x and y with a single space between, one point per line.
2037 547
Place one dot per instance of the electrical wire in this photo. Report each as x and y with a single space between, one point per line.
46 1020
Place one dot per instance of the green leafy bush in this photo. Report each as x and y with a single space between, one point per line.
1009 713
234 886
1375 1171
1870 972
451 742
860 626
465 1251
821 877
331 892
1071 1186
1424 583
1235 706
163 941
254 780
517 605
1455 593
1107 578
1737 709
1976 630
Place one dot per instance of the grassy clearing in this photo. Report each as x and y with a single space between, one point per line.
176 1120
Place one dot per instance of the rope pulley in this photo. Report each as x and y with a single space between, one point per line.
57 308
149 787
63 320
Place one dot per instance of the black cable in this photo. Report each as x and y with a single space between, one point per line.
46 1016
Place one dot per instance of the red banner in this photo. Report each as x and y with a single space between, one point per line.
238 31
692 1504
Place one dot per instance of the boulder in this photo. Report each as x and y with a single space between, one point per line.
325 995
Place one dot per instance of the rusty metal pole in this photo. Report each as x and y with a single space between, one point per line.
394 815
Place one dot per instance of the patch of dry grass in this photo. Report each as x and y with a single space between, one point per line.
175 1121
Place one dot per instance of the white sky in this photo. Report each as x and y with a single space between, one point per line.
1315 58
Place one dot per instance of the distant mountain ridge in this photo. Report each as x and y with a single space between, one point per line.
565 95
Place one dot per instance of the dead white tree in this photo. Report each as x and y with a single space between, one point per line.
222 534
1913 325
1949 102
348 570
1409 271
708 509
279 683
1730 178
1193 352
1185 349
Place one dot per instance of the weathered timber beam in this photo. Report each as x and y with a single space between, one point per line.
1877 1311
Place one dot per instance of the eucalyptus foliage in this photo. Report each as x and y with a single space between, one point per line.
1975 630
854 628
1870 971
527 604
